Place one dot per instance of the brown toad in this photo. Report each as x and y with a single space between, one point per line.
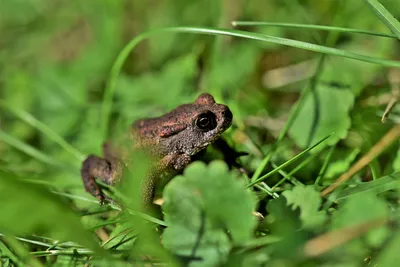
172 139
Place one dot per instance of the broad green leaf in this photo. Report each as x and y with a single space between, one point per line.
340 162
284 222
29 208
325 111
255 258
208 210
308 201
354 75
282 219
359 209
377 186
390 255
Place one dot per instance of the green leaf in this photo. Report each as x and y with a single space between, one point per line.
359 209
282 219
254 258
341 161
362 208
308 201
310 26
210 210
33 209
390 255
377 186
284 222
385 16
354 75
325 110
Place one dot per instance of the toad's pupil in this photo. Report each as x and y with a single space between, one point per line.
204 122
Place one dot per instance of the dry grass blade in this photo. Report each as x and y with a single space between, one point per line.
377 149
394 79
326 242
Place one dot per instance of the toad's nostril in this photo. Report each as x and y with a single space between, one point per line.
227 114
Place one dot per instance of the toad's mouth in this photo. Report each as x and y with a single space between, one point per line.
198 148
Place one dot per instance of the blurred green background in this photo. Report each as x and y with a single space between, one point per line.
56 57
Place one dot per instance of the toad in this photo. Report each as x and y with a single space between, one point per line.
172 140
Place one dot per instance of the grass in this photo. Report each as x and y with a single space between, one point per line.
210 217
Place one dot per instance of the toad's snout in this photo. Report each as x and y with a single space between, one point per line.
226 116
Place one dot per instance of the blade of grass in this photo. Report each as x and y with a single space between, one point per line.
21 251
125 240
391 136
310 26
52 135
322 172
373 171
385 16
31 241
293 115
298 167
27 149
115 207
6 252
127 231
72 252
287 176
106 223
377 186
287 162
268 190
119 62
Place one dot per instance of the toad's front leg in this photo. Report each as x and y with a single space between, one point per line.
107 170
170 164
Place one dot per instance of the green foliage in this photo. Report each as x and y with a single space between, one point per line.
341 162
202 207
325 117
390 255
308 201
360 209
368 207
77 73
32 209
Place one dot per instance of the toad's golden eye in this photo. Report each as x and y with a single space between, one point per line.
206 121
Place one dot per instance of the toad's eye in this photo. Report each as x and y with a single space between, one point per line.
206 121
